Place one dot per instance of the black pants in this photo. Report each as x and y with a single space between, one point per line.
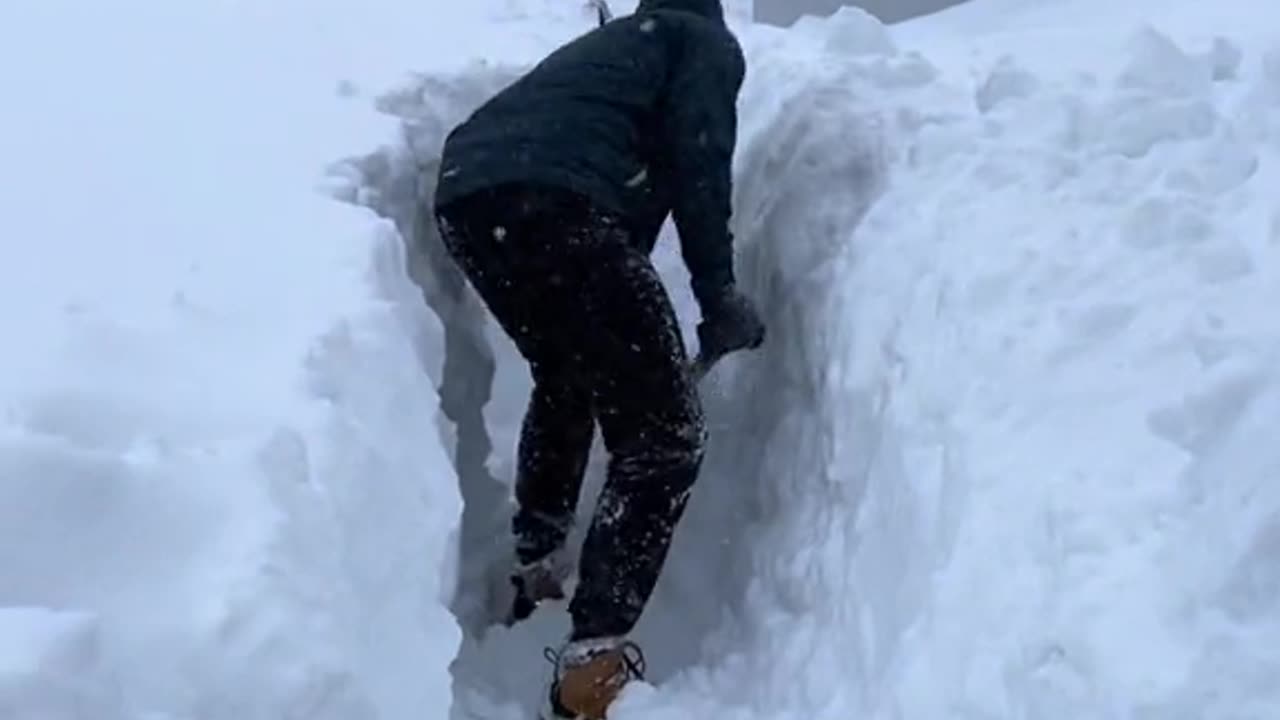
590 315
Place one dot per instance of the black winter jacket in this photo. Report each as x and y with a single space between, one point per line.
639 116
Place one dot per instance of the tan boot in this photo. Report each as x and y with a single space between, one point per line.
590 675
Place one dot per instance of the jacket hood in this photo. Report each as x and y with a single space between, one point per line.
710 9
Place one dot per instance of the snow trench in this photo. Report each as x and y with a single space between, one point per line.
778 418
968 476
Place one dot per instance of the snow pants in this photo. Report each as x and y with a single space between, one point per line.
590 315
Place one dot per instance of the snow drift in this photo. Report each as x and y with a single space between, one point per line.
222 490
977 442
1004 455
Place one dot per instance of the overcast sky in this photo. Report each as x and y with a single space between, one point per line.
784 12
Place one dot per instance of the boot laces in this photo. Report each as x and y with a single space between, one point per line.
632 658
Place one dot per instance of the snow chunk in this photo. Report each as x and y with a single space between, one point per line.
1218 166
1201 415
1225 264
850 31
1133 126
1271 75
905 71
854 31
1167 220
50 667
1006 81
1224 59
1156 64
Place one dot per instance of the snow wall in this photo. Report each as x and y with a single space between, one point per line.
223 489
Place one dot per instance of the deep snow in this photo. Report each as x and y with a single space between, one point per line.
1006 454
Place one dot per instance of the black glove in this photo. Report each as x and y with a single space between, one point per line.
729 323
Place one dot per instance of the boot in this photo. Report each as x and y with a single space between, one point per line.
538 581
589 675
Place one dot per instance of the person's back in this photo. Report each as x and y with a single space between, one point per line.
575 120
639 116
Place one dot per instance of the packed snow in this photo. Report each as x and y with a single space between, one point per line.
1007 452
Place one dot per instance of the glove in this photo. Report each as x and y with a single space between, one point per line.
730 323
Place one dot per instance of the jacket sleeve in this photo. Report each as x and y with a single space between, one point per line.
701 127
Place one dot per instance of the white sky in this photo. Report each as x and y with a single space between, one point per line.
783 12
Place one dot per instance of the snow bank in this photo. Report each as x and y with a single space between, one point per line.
397 181
483 386
222 488
1124 232
997 451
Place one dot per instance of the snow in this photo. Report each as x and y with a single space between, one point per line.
219 450
1005 455
49 666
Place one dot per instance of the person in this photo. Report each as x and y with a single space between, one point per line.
550 199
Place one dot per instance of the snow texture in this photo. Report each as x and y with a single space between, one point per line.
1005 455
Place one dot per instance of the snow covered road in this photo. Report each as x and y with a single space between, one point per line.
1006 455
